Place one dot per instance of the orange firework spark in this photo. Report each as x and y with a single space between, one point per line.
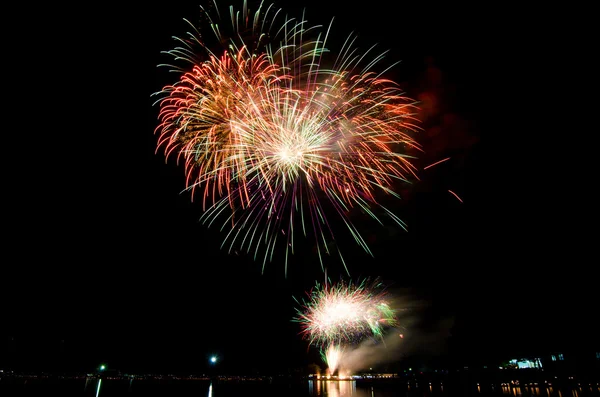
455 195
436 163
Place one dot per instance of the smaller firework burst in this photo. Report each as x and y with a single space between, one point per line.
345 313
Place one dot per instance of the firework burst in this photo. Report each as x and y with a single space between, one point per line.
273 141
338 316
345 313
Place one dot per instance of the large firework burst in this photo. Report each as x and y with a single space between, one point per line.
273 141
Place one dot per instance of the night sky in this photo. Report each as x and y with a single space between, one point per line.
106 260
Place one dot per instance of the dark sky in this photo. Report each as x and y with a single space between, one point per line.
106 260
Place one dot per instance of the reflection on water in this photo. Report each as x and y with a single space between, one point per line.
325 388
350 388
334 388
98 389
547 390
95 387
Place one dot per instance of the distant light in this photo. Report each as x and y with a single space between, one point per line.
213 359
102 367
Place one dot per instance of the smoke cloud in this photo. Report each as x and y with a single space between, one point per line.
421 331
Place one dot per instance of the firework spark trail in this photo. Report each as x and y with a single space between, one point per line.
455 195
272 140
436 163
439 162
332 356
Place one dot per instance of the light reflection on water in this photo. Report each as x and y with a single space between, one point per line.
549 391
349 388
98 388
94 387
334 388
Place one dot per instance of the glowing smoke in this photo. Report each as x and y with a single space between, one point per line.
413 337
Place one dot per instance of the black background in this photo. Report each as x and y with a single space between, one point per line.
105 257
